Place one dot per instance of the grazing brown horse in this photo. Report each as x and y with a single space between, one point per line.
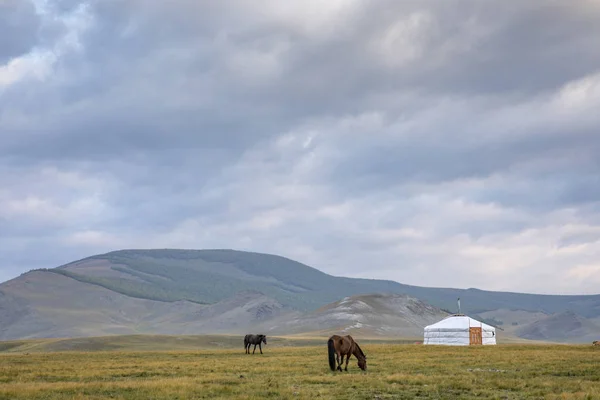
340 346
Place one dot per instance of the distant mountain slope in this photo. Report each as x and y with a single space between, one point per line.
53 306
366 315
208 276
44 305
226 291
562 327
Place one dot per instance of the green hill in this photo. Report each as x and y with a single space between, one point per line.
208 276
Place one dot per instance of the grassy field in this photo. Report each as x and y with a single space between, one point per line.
165 343
296 369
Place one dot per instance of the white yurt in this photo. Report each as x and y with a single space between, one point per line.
459 330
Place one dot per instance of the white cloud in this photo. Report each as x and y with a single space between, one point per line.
32 66
405 40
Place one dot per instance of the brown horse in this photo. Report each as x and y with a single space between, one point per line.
340 346
596 343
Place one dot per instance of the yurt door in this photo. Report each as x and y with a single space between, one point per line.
474 335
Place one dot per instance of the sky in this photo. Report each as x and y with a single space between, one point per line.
435 143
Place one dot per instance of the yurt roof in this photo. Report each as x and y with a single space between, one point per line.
459 322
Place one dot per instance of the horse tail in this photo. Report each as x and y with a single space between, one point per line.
331 350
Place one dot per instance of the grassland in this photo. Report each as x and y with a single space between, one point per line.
291 369
132 343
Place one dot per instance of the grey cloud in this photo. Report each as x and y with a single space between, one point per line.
528 49
65 6
167 52
152 190
555 158
416 159
19 26
170 117
578 239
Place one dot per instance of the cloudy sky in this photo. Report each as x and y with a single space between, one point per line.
433 143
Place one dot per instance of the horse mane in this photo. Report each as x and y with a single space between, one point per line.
359 350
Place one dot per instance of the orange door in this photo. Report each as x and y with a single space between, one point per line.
474 335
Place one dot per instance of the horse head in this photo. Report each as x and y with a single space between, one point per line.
264 338
361 357
362 363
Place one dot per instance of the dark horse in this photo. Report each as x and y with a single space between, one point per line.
340 346
250 340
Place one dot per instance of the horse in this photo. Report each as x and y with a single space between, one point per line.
596 343
254 340
340 346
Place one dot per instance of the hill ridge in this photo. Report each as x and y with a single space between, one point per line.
206 277
147 286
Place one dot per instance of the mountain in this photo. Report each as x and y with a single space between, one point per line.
234 315
212 291
41 304
208 276
561 327
372 315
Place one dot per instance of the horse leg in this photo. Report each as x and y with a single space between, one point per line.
339 368
347 360
260 348
254 349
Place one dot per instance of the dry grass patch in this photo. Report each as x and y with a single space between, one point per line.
394 372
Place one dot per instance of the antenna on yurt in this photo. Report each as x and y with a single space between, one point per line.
459 306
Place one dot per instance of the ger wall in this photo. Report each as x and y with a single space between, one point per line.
456 337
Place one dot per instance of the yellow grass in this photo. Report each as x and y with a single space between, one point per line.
395 371
166 342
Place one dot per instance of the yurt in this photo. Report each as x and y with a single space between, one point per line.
459 330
